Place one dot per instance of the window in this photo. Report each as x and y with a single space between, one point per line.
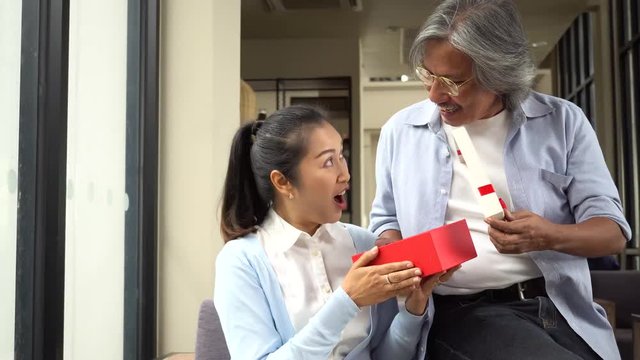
575 65
96 200
85 268
625 16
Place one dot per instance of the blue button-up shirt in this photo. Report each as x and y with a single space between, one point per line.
554 168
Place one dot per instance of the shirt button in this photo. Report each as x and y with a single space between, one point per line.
326 288
315 253
443 191
446 153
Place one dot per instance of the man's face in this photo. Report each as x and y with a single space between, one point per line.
473 102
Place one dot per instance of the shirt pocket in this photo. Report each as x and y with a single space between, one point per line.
559 181
554 192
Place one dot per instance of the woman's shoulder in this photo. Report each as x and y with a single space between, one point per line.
246 247
363 239
356 230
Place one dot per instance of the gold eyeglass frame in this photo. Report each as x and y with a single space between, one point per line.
428 79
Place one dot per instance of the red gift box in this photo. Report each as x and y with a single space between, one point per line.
432 251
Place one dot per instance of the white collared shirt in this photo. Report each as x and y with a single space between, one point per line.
309 269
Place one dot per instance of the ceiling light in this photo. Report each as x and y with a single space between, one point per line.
538 44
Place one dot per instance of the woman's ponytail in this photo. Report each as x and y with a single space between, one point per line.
242 205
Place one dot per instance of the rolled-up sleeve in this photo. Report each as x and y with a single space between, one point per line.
592 192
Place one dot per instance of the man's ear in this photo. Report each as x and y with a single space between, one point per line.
281 184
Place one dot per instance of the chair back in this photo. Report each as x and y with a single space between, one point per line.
623 288
210 342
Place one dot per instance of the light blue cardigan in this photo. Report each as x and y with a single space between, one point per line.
256 323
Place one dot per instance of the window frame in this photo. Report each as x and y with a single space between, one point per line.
40 254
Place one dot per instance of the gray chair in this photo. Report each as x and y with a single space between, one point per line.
210 343
619 293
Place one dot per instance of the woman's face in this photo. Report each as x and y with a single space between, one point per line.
323 179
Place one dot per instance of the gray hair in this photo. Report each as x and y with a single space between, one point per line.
491 34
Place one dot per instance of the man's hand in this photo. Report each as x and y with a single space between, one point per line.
520 232
388 237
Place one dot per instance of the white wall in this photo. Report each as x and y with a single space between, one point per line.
312 57
379 102
370 146
199 106
10 40
543 82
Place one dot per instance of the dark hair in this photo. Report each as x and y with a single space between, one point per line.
258 148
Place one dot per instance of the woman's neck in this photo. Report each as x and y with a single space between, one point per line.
288 214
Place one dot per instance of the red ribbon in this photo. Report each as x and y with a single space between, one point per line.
502 203
486 189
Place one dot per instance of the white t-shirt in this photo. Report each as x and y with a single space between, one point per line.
491 269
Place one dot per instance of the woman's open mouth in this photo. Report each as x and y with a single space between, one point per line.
341 200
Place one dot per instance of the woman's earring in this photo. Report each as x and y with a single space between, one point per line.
290 196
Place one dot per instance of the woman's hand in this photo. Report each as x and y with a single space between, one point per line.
368 285
417 299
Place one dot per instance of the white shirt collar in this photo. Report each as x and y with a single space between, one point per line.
280 235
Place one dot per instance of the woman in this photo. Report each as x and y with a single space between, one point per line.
285 285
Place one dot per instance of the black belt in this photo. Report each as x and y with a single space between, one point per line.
519 291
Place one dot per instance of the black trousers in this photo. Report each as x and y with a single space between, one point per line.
467 327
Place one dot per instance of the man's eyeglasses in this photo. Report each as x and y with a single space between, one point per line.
452 87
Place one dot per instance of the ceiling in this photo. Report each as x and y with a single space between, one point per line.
380 25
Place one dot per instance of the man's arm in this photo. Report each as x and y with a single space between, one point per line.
383 209
600 228
524 231
388 236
